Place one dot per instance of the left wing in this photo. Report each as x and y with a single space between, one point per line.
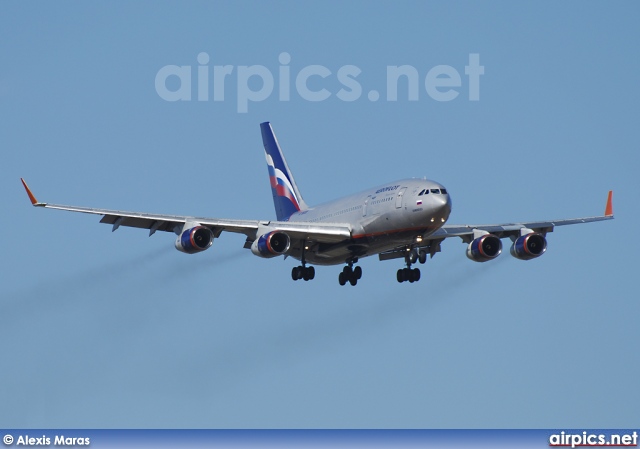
468 233
319 232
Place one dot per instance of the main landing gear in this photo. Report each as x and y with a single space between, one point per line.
411 274
303 272
408 274
350 273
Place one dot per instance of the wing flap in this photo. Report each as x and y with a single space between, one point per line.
141 222
321 232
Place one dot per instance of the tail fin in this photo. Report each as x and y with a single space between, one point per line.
286 196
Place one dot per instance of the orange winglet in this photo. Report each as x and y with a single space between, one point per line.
31 197
608 211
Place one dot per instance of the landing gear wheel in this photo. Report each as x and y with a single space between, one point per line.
408 274
302 272
350 274
422 257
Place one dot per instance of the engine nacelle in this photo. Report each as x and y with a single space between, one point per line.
194 240
273 244
484 248
529 246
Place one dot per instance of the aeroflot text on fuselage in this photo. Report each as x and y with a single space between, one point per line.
256 83
387 189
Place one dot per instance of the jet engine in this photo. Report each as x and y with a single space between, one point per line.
529 246
484 248
269 245
194 240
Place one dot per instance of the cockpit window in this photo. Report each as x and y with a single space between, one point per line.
435 190
421 193
443 191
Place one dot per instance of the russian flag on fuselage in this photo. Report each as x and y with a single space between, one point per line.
286 197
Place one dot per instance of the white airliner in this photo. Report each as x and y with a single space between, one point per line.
404 219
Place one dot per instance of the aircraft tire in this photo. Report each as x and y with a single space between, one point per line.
306 273
342 279
422 258
416 274
357 272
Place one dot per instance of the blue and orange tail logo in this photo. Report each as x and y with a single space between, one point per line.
286 197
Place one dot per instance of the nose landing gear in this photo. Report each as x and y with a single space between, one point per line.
411 274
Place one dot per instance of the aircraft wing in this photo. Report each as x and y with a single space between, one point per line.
466 232
469 232
320 232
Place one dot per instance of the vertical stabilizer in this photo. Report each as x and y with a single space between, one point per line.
286 196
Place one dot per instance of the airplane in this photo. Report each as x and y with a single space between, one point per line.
404 219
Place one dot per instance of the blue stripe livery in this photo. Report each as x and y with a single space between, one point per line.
286 197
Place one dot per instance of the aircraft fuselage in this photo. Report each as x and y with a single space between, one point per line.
381 218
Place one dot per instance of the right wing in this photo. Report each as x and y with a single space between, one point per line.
319 232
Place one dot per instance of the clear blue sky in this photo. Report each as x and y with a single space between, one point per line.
103 329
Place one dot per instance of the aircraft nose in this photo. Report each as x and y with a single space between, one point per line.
443 205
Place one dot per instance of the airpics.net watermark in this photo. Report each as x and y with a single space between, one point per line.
257 83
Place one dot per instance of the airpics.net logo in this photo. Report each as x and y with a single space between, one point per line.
314 83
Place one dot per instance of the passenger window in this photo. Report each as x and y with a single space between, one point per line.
435 190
